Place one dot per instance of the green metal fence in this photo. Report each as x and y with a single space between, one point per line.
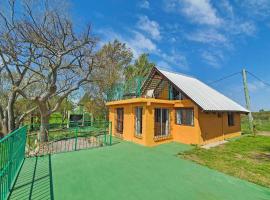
60 138
12 151
68 137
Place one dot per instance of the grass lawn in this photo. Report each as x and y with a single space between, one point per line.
261 122
247 157
126 171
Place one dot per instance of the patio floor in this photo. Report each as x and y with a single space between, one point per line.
127 171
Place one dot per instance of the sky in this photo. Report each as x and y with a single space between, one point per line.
203 38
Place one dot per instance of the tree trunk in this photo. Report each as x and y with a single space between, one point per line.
4 128
4 124
44 128
44 122
11 118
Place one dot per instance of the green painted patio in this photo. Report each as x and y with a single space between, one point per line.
126 171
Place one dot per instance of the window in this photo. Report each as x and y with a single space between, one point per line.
138 121
177 95
119 120
161 122
230 119
185 116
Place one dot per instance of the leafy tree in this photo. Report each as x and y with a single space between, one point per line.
140 68
95 106
111 61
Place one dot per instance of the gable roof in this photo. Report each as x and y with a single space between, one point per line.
206 97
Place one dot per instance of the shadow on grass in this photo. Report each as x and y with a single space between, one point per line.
35 180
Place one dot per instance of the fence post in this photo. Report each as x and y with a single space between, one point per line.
76 137
105 135
110 132
10 157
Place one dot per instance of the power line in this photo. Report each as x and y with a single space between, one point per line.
225 77
259 79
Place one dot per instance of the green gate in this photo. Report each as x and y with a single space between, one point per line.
12 151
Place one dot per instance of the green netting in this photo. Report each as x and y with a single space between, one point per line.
125 90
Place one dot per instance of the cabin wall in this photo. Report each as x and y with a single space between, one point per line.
164 94
129 122
214 126
208 127
183 133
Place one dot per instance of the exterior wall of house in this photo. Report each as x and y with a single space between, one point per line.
183 133
129 122
214 127
208 127
165 92
148 106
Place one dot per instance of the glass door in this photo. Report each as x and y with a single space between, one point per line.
120 120
161 122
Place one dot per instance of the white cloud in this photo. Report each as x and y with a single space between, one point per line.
140 44
227 7
207 36
255 86
173 60
149 26
247 28
256 8
198 11
213 58
201 11
136 41
144 4
164 65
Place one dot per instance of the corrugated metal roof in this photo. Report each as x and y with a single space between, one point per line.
206 97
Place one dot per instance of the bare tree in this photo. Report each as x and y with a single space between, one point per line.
60 60
12 70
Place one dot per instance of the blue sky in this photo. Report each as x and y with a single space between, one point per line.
203 38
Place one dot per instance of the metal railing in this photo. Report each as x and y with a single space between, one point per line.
61 138
124 90
12 151
68 137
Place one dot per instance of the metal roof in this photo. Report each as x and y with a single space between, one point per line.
206 97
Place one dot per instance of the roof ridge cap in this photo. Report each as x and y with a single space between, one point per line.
175 72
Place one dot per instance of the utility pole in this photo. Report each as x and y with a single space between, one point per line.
247 97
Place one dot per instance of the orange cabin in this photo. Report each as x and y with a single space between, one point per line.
175 107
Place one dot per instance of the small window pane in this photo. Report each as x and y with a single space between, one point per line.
138 120
230 119
185 116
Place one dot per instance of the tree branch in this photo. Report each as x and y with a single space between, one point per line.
21 118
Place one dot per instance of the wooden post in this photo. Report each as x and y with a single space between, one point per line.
247 97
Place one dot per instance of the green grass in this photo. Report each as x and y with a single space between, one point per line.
247 157
261 122
127 171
